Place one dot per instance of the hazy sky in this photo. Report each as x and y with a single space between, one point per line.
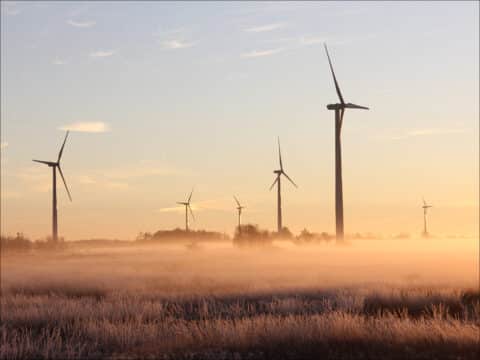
167 96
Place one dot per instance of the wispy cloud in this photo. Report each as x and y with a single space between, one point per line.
102 53
174 39
428 132
264 28
175 44
87 126
58 61
220 204
81 24
3 145
173 209
260 53
312 40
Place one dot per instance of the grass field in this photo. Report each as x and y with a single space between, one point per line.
369 300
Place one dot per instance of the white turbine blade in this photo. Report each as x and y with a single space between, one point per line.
64 182
238 202
63 145
191 212
44 162
276 179
280 154
188 201
337 87
354 106
288 177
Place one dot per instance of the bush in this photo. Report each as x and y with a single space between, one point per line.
17 243
251 235
307 237
179 234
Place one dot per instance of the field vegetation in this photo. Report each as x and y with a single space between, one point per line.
390 300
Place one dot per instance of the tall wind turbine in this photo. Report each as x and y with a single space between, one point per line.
239 208
425 207
187 208
56 165
279 173
339 111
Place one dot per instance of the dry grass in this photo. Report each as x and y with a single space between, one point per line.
179 310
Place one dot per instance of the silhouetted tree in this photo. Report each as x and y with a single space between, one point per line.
17 243
178 234
251 235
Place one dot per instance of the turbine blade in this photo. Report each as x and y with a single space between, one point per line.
276 179
191 212
341 117
43 162
280 154
64 182
63 145
188 201
424 202
238 202
339 93
355 106
288 177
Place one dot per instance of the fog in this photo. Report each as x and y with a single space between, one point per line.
220 268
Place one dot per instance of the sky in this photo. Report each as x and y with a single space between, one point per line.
161 97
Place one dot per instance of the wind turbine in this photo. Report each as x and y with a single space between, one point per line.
279 173
425 207
239 208
187 207
56 165
339 111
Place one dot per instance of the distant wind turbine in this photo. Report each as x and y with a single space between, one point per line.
56 165
425 207
239 208
187 208
339 111
279 173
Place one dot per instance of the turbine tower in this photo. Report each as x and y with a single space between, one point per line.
279 173
239 208
425 207
56 165
187 208
339 111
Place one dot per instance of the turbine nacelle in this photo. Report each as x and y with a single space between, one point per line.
340 106
280 171
187 209
425 205
56 164
48 163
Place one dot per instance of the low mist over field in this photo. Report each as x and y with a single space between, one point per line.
214 300
219 266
